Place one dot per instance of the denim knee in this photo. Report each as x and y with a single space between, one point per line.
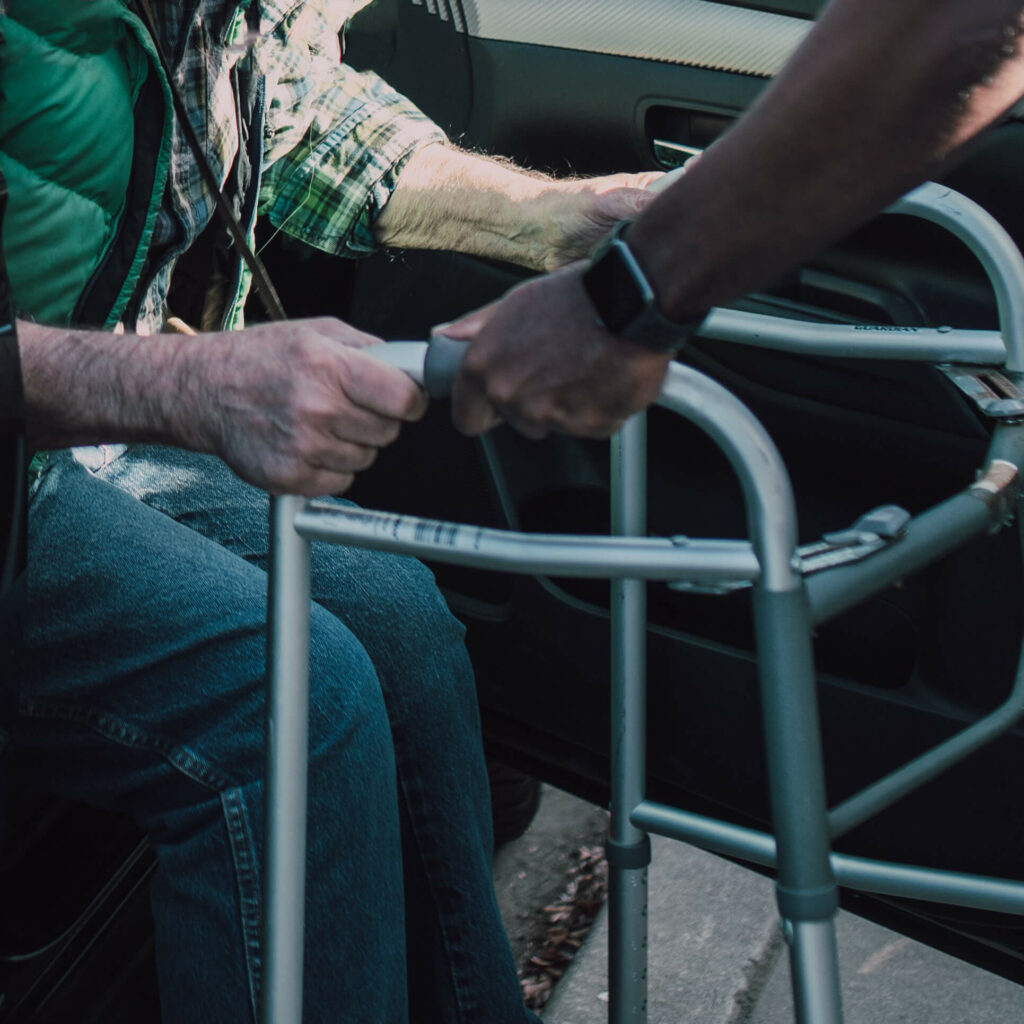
353 882
392 604
346 709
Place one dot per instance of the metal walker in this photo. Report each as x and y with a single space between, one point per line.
793 590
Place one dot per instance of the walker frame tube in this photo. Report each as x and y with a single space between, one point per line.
628 848
287 764
897 784
979 892
987 240
867 341
929 536
785 609
582 556
805 888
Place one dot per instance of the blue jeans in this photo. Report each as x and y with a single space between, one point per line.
143 691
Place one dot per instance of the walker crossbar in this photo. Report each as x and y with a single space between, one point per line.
785 609
868 341
542 554
931 535
986 239
861 873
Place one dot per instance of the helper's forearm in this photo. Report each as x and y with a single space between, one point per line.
879 94
88 387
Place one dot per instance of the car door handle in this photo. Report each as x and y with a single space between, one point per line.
673 154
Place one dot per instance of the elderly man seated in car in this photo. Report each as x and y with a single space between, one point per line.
141 679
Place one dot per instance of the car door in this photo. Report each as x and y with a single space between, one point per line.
573 87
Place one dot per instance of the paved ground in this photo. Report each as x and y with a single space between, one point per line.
716 955
531 873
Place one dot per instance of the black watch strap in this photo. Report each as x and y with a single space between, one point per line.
624 300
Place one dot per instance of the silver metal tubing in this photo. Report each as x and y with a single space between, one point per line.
815 975
628 630
998 894
930 536
805 887
927 344
756 847
708 833
990 243
608 557
771 513
287 761
897 784
793 751
1007 444
627 948
980 232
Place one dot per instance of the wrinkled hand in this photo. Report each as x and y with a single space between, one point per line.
583 211
540 361
296 407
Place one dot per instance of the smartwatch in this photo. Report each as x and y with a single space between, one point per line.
624 300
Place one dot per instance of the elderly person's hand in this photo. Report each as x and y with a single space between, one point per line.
292 407
580 212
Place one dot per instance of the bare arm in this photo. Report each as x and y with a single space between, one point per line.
877 97
290 407
447 198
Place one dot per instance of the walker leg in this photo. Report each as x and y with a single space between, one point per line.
805 886
814 971
627 945
287 765
628 849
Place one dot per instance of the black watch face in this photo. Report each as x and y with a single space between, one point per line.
613 290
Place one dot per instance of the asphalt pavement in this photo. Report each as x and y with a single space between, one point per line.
716 954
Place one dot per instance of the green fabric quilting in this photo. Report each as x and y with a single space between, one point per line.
71 73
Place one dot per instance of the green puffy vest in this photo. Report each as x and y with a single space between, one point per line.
85 129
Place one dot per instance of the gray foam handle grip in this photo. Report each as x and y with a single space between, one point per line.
444 356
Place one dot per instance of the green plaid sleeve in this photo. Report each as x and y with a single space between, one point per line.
337 140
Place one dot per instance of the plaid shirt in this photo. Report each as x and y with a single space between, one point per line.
333 139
